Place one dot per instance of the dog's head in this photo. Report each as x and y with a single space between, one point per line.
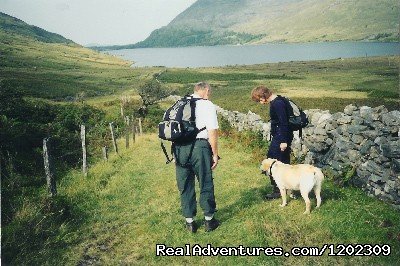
266 164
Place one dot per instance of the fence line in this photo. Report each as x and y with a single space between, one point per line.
130 127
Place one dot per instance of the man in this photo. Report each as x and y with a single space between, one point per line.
202 158
282 136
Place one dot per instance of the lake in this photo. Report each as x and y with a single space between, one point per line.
210 56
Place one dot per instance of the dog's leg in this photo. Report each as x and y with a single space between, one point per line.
283 195
304 194
317 191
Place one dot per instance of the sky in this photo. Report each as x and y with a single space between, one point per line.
97 22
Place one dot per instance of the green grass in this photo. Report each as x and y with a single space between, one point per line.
126 206
330 84
57 71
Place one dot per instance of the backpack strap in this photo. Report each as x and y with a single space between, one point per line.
166 154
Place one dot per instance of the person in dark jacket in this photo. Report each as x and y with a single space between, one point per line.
282 136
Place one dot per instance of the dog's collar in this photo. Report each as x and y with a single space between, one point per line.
270 169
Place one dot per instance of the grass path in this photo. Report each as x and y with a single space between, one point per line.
130 204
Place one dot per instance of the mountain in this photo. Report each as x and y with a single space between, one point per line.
47 65
214 22
13 25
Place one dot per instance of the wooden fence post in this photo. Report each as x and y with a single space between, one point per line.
127 132
1 165
133 130
48 167
140 127
105 155
113 137
84 158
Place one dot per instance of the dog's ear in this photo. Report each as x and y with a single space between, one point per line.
264 165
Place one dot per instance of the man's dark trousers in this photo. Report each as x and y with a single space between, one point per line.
199 165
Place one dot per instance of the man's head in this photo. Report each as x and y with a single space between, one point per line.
261 94
203 89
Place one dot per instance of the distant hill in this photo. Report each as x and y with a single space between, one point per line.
214 22
13 25
47 65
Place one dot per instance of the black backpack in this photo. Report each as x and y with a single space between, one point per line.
179 123
296 117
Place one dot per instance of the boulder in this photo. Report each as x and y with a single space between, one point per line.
392 118
349 109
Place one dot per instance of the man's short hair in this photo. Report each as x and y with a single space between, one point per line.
202 85
260 92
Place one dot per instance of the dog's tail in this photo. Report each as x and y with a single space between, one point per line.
319 176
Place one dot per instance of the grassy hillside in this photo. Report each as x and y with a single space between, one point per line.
126 206
210 22
12 25
52 68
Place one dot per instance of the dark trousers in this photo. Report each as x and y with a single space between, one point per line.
199 165
274 152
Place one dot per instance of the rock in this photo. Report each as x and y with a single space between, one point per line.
380 109
391 149
324 118
336 165
365 146
320 131
356 129
392 118
354 156
372 167
377 125
309 159
374 152
370 134
357 121
377 192
357 139
396 165
366 112
344 120
349 109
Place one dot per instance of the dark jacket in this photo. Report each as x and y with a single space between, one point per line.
280 130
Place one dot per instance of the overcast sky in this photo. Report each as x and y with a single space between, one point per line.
97 21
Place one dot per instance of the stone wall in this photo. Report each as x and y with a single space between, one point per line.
363 140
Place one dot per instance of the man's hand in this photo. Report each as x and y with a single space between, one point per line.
283 146
215 162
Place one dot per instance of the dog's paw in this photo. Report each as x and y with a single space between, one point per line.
306 212
283 204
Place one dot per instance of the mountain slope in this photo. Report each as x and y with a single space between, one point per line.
14 25
47 65
213 22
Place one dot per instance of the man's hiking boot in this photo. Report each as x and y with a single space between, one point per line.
211 224
191 227
273 195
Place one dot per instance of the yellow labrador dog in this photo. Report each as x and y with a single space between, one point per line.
303 177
